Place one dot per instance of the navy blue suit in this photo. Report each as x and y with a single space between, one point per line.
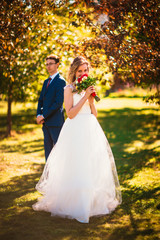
50 105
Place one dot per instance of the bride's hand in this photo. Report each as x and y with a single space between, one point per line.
89 91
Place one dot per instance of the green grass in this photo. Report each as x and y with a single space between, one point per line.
132 92
132 128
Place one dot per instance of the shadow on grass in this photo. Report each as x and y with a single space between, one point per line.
125 127
24 147
19 120
132 219
20 221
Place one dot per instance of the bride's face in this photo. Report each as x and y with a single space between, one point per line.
82 70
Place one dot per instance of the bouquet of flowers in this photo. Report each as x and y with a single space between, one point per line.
83 82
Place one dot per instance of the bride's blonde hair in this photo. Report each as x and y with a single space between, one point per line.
78 61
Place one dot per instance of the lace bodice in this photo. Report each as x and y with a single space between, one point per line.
76 98
86 108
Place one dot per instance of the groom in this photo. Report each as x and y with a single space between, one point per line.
50 104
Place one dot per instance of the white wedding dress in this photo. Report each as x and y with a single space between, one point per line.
79 179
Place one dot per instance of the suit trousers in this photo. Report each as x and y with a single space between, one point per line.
51 135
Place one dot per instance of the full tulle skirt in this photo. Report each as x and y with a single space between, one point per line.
79 179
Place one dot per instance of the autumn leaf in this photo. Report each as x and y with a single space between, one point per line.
133 75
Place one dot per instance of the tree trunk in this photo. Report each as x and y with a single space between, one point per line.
118 84
9 114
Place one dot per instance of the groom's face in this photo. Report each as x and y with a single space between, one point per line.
51 66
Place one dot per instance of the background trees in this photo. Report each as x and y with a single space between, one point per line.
21 28
117 36
30 30
128 31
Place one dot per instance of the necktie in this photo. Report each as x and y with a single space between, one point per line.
48 82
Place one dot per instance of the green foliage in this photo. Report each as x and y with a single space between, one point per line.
19 37
85 82
127 33
31 30
119 38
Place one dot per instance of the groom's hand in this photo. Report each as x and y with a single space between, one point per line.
40 119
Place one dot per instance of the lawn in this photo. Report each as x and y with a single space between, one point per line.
132 128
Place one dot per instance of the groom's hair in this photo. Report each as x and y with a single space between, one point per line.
55 58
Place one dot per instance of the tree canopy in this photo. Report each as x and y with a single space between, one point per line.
118 36
128 31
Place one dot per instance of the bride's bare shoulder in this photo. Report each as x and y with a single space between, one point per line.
68 88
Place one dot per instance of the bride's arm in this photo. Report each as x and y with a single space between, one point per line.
92 106
71 110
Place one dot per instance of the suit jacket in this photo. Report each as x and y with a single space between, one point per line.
50 103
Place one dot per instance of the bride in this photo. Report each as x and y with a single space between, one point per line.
79 179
